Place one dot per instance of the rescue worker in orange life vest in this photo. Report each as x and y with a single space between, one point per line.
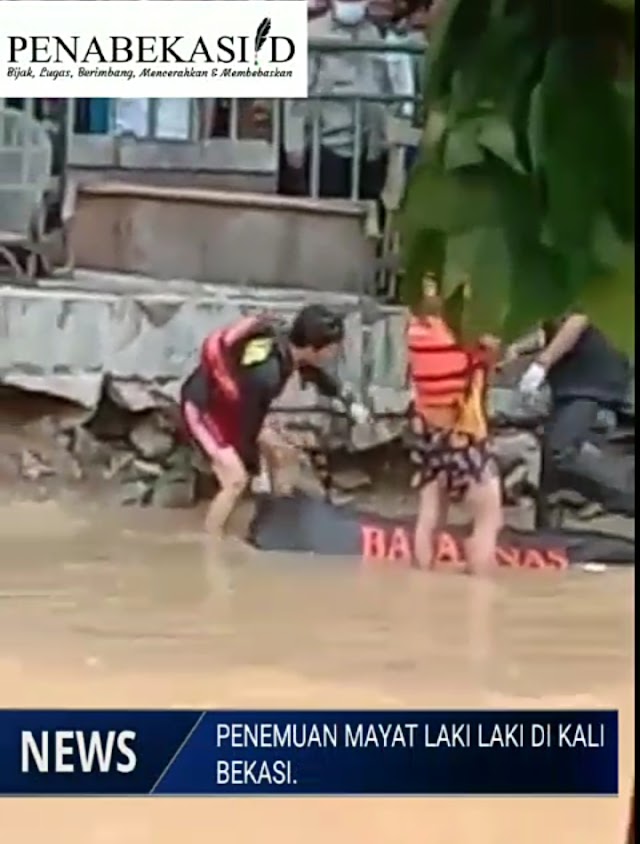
242 370
449 420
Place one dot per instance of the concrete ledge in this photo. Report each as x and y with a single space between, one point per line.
177 177
216 154
223 237
69 342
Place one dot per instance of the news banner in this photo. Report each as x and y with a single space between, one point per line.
224 752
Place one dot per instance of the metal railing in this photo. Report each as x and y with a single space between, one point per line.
196 148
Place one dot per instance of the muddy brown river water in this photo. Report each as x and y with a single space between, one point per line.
105 609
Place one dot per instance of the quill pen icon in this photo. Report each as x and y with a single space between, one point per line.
261 35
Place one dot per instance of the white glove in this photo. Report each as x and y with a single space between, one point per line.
533 378
359 413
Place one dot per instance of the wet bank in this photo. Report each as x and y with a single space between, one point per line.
103 607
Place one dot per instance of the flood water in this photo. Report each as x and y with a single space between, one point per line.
99 609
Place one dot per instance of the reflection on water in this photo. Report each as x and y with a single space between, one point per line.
129 611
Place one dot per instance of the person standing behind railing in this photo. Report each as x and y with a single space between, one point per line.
407 70
342 73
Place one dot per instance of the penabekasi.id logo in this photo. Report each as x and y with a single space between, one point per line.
153 48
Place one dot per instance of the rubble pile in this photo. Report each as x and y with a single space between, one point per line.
142 458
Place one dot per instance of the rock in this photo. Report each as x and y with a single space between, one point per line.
110 422
516 484
309 480
33 467
518 456
591 510
174 490
169 419
146 469
135 493
507 406
261 484
119 462
341 499
350 480
89 451
9 467
197 460
151 439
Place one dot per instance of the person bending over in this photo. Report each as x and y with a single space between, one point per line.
242 370
449 420
585 375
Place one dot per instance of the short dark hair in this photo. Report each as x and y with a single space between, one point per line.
316 326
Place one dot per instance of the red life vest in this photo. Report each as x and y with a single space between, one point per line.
439 368
217 351
445 374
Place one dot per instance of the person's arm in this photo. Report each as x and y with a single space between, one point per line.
295 118
324 383
564 341
331 388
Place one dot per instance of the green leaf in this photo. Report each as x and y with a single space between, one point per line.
460 257
491 68
448 202
535 135
489 274
461 147
609 302
609 250
539 290
625 5
453 310
539 287
434 129
496 135
585 148
443 45
422 252
527 175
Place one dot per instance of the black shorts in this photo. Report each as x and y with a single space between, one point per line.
452 458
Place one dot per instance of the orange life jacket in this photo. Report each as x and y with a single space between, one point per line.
443 374
217 351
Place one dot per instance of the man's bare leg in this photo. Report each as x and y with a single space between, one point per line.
223 505
233 478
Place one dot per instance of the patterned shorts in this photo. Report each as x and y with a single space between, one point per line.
452 458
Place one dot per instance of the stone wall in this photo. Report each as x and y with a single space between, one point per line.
142 458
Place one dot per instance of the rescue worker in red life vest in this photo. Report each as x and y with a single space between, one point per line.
449 420
243 369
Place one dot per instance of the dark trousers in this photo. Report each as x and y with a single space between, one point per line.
569 426
572 459
336 176
335 180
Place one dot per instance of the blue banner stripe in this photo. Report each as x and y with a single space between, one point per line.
178 752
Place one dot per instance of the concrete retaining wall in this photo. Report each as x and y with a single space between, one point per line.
140 343
223 237
139 338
